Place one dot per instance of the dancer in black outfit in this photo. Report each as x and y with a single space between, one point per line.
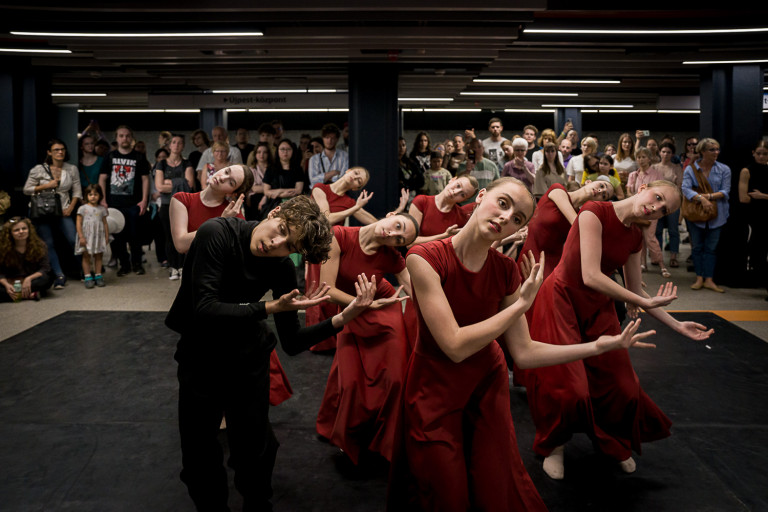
223 353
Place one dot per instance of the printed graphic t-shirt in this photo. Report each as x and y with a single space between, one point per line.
124 174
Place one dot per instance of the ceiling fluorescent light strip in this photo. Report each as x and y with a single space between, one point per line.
259 91
424 99
754 61
586 106
32 50
464 93
531 110
138 34
78 94
139 110
651 32
541 81
298 110
453 110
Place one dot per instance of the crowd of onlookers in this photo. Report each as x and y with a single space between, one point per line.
117 179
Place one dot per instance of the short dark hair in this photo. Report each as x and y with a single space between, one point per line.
93 187
313 231
669 145
267 128
205 136
329 129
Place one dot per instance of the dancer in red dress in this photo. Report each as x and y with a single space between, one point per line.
333 200
600 395
458 433
442 215
362 400
548 229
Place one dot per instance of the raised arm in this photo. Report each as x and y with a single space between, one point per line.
459 343
179 216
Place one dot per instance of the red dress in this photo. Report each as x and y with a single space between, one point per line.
600 395
450 407
547 232
317 314
362 400
434 222
197 213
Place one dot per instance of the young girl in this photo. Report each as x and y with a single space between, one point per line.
92 234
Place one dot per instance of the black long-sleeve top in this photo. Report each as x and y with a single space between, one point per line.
218 309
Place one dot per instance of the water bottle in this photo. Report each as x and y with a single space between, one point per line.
17 289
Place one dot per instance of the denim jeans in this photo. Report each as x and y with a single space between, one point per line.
671 223
47 230
704 244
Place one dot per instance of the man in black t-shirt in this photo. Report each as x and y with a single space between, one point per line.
124 179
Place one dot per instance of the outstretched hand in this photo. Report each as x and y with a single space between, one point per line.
365 291
404 196
695 331
294 300
629 337
387 301
363 198
666 294
233 208
535 277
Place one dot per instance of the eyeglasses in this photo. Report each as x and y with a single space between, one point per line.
58 149
691 143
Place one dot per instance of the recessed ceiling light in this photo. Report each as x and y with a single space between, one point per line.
542 81
31 50
139 34
424 99
519 93
77 94
725 61
647 31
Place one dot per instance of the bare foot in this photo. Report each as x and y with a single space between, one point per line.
553 465
628 466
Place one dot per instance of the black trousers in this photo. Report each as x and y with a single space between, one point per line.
238 389
130 235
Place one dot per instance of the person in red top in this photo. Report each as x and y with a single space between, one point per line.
458 433
361 404
188 211
442 215
600 395
338 206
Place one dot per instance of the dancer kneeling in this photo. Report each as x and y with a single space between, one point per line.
361 404
600 395
459 437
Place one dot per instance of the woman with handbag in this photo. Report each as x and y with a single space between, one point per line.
55 189
706 187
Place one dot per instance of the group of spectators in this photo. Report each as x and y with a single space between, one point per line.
282 169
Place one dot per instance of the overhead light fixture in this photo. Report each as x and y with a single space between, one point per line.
590 111
140 110
138 34
453 110
298 110
424 99
78 94
647 31
638 111
259 91
754 61
587 106
32 50
531 110
541 81
679 111
519 93
321 91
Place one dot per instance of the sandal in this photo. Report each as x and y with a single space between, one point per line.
665 273
673 263
643 268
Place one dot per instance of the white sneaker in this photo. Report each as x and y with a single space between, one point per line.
175 274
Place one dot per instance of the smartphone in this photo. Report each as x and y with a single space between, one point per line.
646 133
569 120
471 155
